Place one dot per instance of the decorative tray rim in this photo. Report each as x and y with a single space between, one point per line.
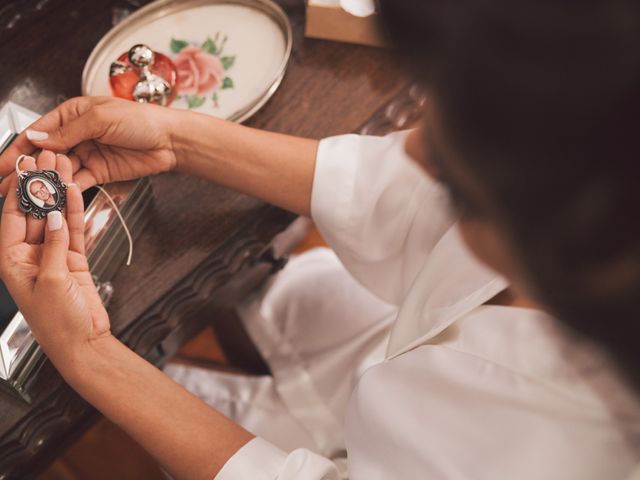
162 8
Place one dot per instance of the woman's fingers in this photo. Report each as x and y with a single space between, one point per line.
85 179
64 168
6 182
75 219
57 235
75 205
13 226
35 227
86 126
21 145
76 163
37 135
46 160
53 262
90 154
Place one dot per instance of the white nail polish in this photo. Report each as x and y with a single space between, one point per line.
54 221
37 135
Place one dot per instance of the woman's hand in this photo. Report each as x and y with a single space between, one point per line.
107 139
50 281
110 140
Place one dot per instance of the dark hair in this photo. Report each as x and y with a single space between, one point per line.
541 99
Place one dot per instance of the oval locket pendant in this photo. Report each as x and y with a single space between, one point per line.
41 192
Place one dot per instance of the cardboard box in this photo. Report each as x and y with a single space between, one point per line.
331 22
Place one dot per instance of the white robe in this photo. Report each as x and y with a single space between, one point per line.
397 369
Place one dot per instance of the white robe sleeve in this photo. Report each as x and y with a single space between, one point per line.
379 211
382 215
261 460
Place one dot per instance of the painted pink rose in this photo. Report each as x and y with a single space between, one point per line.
198 71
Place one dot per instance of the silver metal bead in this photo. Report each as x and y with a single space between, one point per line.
118 68
141 56
152 89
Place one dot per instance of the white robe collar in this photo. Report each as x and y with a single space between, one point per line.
451 283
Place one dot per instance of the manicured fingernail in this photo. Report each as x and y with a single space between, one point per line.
54 221
37 135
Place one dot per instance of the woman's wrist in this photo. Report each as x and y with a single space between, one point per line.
189 438
84 361
176 133
273 167
190 134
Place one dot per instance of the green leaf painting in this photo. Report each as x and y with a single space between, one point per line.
227 83
177 45
209 46
195 101
227 61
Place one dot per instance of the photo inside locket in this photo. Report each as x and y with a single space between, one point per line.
42 193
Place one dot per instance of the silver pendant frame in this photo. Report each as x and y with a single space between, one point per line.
25 200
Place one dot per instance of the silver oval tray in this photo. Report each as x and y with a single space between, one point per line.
231 54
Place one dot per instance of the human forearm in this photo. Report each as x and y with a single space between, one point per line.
115 140
189 438
274 167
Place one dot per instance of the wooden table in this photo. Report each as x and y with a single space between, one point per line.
188 263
